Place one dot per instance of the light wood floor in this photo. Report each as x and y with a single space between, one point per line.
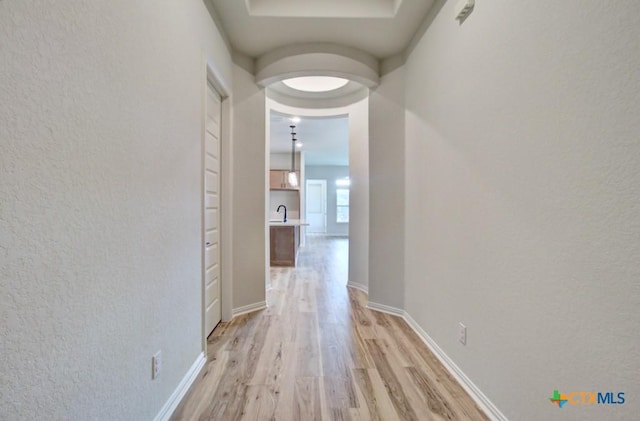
317 353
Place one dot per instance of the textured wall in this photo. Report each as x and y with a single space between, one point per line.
100 139
386 169
523 199
330 173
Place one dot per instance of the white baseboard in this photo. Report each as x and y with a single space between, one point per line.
356 285
249 308
476 394
177 395
385 309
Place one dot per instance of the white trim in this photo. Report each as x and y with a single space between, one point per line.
356 285
476 394
177 395
249 308
213 75
385 309
210 86
226 211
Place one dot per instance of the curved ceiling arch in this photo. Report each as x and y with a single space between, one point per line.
317 60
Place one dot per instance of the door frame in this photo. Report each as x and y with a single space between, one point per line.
323 183
211 75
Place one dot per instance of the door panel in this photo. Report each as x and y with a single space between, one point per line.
316 206
212 211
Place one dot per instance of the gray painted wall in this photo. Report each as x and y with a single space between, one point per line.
330 174
523 199
250 194
386 181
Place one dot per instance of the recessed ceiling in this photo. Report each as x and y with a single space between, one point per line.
324 8
381 37
315 83
325 139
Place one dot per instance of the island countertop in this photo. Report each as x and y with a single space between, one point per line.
289 223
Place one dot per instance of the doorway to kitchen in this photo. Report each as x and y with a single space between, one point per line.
331 145
319 157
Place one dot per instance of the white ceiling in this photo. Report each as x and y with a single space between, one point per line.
381 28
325 139
273 24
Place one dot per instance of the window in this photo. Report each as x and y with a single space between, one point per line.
342 205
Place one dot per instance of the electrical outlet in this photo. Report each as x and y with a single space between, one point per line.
156 365
462 334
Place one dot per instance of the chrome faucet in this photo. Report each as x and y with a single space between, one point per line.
285 212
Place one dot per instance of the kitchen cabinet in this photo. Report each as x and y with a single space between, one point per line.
285 241
279 180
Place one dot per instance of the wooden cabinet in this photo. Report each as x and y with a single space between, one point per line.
279 180
284 245
276 179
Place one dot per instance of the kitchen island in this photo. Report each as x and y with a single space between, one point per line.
284 241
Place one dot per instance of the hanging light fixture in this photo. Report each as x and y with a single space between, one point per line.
292 176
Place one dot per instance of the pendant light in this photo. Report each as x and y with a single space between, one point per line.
292 177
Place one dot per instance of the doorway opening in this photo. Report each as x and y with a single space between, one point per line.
320 124
318 202
316 206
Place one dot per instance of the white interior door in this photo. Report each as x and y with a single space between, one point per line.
212 210
316 206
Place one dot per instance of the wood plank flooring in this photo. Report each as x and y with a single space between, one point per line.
317 353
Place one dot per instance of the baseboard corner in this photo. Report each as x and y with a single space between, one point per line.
178 394
260 305
356 285
385 309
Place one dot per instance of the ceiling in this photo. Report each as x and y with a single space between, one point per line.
325 139
382 28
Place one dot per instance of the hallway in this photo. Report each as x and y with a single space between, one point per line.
318 353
